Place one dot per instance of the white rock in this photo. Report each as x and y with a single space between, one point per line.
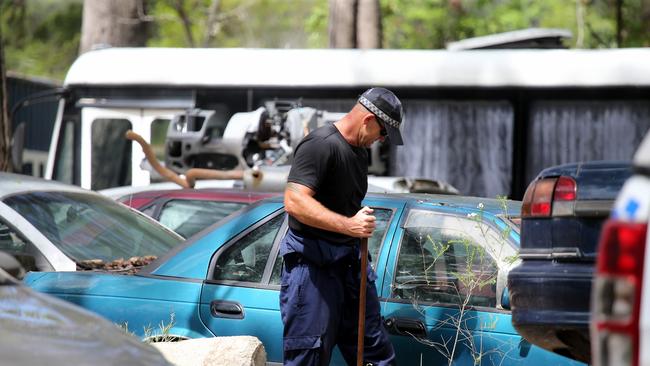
219 351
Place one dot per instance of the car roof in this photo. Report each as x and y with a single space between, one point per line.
11 184
117 192
595 180
574 169
492 205
208 194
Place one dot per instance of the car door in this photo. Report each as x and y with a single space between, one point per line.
107 158
241 294
440 297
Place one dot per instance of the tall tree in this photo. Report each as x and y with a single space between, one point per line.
355 24
342 23
369 30
619 23
645 20
185 18
212 22
116 23
5 124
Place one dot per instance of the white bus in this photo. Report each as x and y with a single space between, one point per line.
484 121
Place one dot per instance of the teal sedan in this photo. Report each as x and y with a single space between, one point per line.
442 264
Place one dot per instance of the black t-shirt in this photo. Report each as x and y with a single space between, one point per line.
336 171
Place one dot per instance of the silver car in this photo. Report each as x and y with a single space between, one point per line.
53 226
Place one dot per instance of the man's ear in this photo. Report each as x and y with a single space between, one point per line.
367 118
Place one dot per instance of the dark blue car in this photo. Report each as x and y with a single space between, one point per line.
441 261
562 214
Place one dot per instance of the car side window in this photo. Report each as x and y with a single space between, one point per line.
382 220
10 241
446 259
188 217
245 260
13 243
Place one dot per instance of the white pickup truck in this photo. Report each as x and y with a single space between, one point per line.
620 333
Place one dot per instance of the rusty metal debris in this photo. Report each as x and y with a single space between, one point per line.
190 176
121 265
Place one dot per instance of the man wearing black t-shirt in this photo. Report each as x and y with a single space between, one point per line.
320 276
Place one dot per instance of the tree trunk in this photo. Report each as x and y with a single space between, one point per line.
369 24
116 23
342 23
645 20
5 123
211 25
179 7
619 23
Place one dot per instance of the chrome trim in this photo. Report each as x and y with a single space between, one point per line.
554 253
594 208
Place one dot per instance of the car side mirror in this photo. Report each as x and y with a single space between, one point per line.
10 265
505 299
502 294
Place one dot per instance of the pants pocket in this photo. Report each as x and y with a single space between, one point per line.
292 286
299 343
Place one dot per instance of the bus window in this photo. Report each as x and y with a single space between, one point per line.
64 164
159 128
111 153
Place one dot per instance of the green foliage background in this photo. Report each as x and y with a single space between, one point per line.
42 36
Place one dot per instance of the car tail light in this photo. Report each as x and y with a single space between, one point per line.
565 189
548 196
617 293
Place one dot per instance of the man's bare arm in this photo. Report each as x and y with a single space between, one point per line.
300 203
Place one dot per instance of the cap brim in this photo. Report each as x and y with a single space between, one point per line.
394 135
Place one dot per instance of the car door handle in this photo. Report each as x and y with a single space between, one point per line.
406 327
226 309
524 347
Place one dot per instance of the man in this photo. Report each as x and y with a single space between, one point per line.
321 274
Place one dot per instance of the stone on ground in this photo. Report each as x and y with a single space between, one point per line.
219 351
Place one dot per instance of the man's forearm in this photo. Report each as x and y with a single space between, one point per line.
309 211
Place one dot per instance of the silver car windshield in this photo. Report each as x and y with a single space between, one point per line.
91 229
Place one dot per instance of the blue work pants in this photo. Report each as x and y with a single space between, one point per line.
319 307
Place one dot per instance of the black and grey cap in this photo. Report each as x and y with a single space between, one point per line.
385 105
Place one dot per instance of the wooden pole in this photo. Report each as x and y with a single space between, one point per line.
361 330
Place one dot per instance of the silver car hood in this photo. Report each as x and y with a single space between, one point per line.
37 329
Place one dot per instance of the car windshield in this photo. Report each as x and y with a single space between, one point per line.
94 231
188 217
